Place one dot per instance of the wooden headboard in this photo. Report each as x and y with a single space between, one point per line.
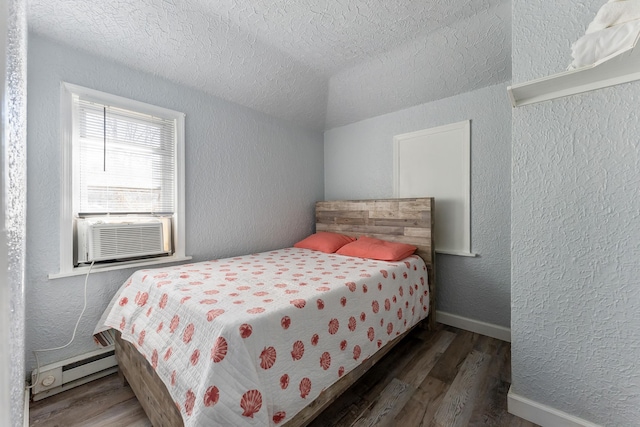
397 220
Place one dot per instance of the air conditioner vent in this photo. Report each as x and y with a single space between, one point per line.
105 241
123 241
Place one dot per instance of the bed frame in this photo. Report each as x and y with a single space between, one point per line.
399 220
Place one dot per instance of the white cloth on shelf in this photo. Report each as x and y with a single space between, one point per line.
615 13
605 43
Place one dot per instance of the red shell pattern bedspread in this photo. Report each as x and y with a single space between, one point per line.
252 340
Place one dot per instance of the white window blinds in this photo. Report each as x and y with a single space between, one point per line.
126 160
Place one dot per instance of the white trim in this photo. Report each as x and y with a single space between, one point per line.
179 229
618 68
66 267
483 328
543 415
120 101
80 271
458 253
66 186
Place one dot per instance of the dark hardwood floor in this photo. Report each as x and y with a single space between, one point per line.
445 377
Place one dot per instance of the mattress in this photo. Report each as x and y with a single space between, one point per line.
252 340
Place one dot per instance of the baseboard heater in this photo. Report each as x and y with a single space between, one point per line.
61 376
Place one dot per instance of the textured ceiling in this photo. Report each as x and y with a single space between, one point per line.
316 63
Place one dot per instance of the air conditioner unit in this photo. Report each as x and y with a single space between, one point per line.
116 238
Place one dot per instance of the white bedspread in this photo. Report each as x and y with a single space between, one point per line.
252 340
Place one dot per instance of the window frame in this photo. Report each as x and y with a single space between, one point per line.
67 268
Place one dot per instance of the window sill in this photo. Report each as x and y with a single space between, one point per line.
458 253
80 271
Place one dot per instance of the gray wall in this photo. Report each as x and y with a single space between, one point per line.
358 164
251 184
575 231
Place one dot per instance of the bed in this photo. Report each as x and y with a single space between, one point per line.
339 314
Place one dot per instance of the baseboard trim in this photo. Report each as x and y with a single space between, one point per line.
483 328
544 415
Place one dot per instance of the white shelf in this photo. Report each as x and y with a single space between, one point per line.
622 68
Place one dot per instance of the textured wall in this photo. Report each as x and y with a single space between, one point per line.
14 183
466 55
251 184
358 164
575 231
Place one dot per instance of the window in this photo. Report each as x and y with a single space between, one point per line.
125 160
122 160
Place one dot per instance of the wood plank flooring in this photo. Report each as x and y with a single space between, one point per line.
446 377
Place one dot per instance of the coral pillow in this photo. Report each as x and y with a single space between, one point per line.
325 242
368 247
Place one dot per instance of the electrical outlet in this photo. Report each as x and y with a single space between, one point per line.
47 379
